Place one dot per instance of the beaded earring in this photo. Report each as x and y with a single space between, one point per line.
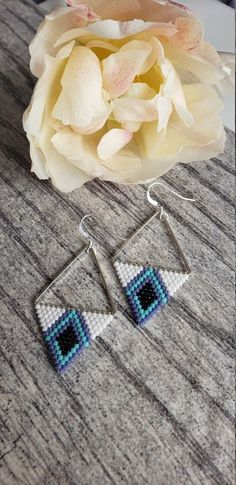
148 289
67 330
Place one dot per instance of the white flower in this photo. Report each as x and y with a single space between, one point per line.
125 91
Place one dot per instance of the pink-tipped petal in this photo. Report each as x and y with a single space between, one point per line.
81 100
129 10
84 12
112 142
120 69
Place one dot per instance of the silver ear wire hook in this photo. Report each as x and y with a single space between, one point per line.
85 234
82 231
155 203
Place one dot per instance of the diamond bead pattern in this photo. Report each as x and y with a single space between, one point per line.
146 294
147 289
68 331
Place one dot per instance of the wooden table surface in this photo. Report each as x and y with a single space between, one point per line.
152 406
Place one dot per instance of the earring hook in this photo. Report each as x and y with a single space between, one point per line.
85 234
155 203
82 231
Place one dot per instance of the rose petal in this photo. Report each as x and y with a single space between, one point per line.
120 69
112 142
101 48
162 79
140 91
65 175
157 55
122 165
84 12
154 77
82 152
161 10
212 150
95 125
75 146
180 104
39 124
66 50
170 92
164 108
111 29
201 68
81 99
132 126
38 159
79 150
167 150
65 24
46 90
59 21
181 141
113 9
189 33
206 52
107 29
128 109
101 44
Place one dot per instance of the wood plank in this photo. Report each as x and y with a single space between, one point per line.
152 406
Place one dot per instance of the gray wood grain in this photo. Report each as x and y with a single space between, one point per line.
140 407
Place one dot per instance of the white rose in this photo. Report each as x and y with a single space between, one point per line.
125 91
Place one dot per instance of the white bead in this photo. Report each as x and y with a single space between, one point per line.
48 315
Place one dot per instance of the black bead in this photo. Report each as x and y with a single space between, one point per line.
67 340
146 296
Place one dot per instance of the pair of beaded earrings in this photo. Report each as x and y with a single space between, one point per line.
67 330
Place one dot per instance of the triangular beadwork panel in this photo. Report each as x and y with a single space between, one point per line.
96 322
148 289
69 331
